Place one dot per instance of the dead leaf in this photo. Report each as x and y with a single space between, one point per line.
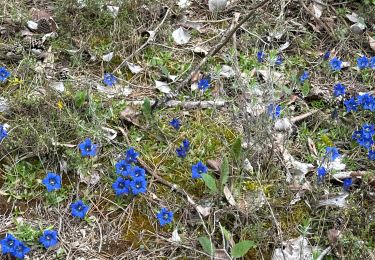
283 125
200 50
33 26
294 249
335 165
334 200
317 9
108 57
354 18
204 211
175 236
195 77
130 114
183 3
214 164
89 179
372 43
162 87
216 5
228 195
247 166
227 72
181 36
109 133
134 68
58 86
333 235
221 254
273 76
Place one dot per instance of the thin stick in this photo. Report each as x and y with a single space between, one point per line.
150 39
217 48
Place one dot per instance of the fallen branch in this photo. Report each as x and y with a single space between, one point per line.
149 40
186 104
303 116
215 49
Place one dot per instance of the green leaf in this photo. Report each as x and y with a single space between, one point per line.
210 182
206 244
146 109
79 98
224 171
227 234
236 148
240 249
305 88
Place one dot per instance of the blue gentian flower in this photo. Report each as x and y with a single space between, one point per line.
260 56
274 111
4 74
87 148
79 209
371 63
165 216
123 168
20 250
121 186
326 55
367 101
49 238
138 185
339 90
204 84
366 143
357 135
198 169
131 155
304 76
332 153
279 60
175 123
321 173
8 244
368 130
3 132
362 62
371 155
138 172
186 144
109 79
336 64
181 151
52 181
351 105
347 183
